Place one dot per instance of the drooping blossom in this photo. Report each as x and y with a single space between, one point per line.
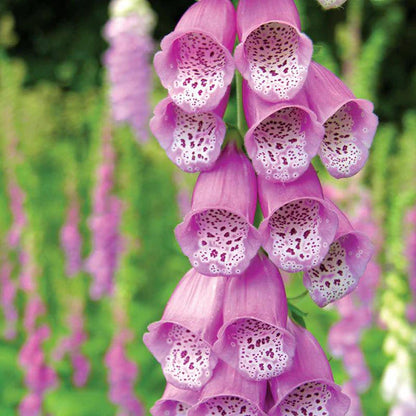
175 402
122 374
192 141
355 408
273 55
195 63
182 340
128 63
331 4
350 123
71 345
104 224
8 289
299 224
308 387
282 138
339 272
71 239
39 376
230 394
253 338
217 234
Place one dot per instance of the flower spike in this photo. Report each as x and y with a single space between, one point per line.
195 63
308 388
350 124
217 234
254 339
181 341
273 55
299 224
192 140
229 394
283 138
174 402
340 271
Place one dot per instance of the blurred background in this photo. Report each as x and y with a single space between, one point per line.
75 188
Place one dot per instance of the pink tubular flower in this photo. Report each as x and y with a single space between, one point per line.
174 402
217 234
273 55
31 405
355 408
283 138
195 63
230 394
192 140
331 4
299 225
128 63
8 291
350 123
254 339
182 340
308 387
122 374
71 240
339 272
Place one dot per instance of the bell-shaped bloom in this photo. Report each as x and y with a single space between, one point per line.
230 394
350 124
217 234
195 63
344 334
331 4
182 340
192 141
299 226
253 338
283 137
354 363
174 402
308 388
273 55
339 272
350 390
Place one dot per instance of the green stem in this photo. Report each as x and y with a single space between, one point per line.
241 124
302 295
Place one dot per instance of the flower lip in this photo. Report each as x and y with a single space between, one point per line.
191 140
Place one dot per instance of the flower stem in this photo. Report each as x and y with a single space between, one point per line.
302 295
241 122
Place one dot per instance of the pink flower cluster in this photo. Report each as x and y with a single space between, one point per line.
71 240
410 222
72 345
39 377
122 374
127 60
357 309
225 340
104 224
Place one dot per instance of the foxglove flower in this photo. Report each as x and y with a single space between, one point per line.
354 363
8 291
299 226
195 63
350 124
355 408
31 405
331 4
122 374
17 198
339 272
192 140
273 55
283 138
230 394
182 340
128 62
217 234
308 387
174 402
254 339
71 240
